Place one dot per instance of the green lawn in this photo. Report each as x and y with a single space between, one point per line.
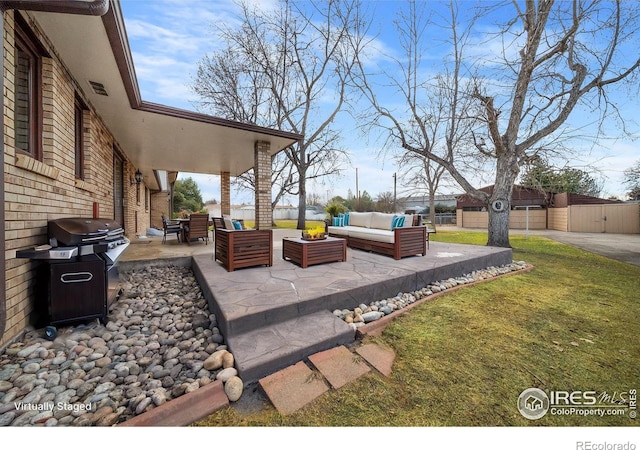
289 224
463 359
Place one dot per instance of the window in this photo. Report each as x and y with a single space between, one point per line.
28 94
79 138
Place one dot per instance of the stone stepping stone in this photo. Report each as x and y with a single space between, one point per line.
379 357
339 366
293 387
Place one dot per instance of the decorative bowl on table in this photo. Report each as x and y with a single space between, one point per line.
313 236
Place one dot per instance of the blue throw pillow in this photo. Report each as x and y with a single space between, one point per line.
237 225
338 221
346 219
397 222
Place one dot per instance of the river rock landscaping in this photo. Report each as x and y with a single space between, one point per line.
366 313
161 342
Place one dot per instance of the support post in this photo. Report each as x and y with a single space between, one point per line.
225 193
262 170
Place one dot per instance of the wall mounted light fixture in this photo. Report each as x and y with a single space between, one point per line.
138 178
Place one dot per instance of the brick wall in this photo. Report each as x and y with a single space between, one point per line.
262 169
39 191
159 206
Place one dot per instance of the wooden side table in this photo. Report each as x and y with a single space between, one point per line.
306 253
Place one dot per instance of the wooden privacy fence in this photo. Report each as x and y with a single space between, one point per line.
517 219
621 218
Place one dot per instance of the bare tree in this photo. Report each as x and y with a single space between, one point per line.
632 181
429 129
286 68
555 57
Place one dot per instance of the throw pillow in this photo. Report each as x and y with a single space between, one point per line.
228 223
398 222
237 225
346 219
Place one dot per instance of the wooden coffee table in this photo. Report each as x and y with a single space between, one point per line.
306 253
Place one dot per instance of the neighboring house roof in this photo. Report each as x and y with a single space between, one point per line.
524 196
154 137
520 196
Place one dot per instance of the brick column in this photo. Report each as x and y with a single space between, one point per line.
225 193
262 169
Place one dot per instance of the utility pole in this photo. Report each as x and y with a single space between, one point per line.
395 179
357 191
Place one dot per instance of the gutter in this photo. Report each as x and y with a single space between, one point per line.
83 7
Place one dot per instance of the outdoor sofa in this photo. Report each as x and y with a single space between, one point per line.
396 235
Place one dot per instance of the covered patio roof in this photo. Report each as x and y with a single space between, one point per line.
157 139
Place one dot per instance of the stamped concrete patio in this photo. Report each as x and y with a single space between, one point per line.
274 317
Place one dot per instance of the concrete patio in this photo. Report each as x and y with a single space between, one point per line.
274 317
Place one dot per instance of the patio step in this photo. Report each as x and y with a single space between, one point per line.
266 350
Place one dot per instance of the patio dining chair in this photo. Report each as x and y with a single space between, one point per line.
170 227
197 228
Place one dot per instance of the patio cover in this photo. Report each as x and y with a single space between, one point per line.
156 138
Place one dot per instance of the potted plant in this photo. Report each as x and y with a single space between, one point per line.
314 234
335 209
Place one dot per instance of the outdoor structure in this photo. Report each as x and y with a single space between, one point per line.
537 210
79 141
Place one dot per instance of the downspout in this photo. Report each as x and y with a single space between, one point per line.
93 8
3 278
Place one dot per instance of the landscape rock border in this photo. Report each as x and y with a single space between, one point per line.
375 327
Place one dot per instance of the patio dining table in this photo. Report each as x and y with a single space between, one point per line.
182 223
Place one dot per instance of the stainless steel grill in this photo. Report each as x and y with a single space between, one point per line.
80 269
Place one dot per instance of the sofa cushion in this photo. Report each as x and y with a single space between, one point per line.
228 223
373 234
408 220
341 231
360 219
381 221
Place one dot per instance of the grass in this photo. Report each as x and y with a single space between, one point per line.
288 224
463 359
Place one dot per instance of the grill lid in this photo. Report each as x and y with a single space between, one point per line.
82 230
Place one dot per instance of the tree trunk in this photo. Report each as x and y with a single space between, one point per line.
302 199
498 227
432 207
499 204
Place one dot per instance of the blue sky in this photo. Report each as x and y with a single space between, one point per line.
168 38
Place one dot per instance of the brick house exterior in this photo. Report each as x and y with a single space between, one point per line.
72 147
46 188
